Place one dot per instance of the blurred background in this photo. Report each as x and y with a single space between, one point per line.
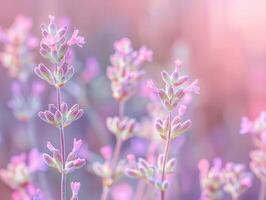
220 42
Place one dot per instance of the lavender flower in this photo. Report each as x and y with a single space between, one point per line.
256 128
122 128
124 74
125 69
211 181
104 169
25 107
17 55
61 117
258 164
171 96
236 179
54 47
19 174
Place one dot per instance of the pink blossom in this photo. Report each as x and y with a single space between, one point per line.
246 126
123 46
75 39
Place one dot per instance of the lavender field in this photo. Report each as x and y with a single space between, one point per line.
133 100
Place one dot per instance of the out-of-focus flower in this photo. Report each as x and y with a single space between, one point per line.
142 169
92 69
19 174
256 128
62 117
236 179
18 43
258 164
24 106
125 69
75 39
211 181
121 128
104 169
75 186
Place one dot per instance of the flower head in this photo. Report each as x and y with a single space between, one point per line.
75 39
19 173
125 69
24 106
236 179
211 181
61 117
122 128
175 88
17 55
256 128
258 164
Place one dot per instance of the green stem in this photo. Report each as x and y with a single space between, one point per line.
166 152
62 149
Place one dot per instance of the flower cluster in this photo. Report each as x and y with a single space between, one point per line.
73 162
54 47
175 88
17 54
211 181
121 128
233 179
20 172
177 127
61 117
55 43
256 128
25 107
104 169
125 69
142 169
236 179
258 163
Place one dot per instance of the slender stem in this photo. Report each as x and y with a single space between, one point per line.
116 154
166 152
62 149
140 190
121 109
262 193
105 193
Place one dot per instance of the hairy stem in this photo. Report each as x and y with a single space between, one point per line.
166 152
62 149
262 193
